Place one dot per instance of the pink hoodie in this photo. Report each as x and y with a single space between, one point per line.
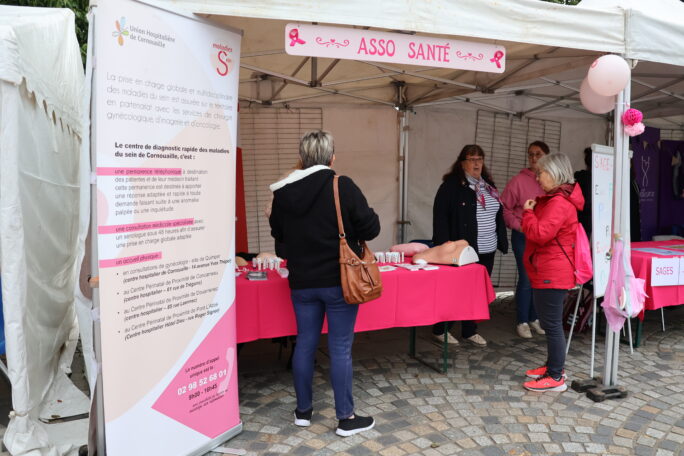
520 188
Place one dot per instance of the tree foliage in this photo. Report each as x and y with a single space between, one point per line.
79 7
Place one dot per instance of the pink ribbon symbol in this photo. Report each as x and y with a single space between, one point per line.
294 37
498 55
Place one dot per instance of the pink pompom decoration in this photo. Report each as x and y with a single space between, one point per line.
632 117
634 130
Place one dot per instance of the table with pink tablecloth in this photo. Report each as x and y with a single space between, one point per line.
641 264
409 298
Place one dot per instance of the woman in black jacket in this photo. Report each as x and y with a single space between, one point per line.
303 218
467 206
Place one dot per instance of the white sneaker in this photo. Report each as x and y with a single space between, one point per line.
537 327
478 340
439 338
523 330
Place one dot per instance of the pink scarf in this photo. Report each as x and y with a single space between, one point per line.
480 187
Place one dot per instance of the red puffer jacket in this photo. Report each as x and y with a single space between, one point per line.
554 218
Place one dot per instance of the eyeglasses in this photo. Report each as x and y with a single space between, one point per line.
475 159
540 171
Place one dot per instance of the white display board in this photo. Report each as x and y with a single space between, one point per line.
602 163
164 127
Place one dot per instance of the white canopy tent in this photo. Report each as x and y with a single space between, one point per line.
544 41
41 237
549 49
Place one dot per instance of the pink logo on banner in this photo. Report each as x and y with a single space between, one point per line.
294 37
498 55
207 382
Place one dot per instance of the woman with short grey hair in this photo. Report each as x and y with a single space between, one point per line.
550 226
558 167
316 148
304 219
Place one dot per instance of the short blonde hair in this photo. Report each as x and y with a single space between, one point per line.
316 148
559 168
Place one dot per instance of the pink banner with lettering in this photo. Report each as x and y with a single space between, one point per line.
356 44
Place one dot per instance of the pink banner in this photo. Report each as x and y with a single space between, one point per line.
356 44
125 261
139 171
112 229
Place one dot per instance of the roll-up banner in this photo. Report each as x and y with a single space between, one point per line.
164 133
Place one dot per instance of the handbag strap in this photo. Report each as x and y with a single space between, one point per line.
336 191
566 255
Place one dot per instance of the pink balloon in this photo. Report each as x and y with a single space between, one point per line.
608 75
593 102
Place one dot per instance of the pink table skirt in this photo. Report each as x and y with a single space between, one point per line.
409 298
641 264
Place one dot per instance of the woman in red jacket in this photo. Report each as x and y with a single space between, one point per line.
550 224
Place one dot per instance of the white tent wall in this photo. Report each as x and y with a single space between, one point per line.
367 150
38 238
435 140
436 136
41 78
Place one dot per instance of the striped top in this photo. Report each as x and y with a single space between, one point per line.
486 217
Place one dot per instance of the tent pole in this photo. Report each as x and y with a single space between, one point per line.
403 173
621 225
593 339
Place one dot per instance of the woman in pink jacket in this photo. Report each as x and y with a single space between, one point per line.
550 228
522 187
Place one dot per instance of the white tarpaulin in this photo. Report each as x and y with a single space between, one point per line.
41 246
521 21
653 30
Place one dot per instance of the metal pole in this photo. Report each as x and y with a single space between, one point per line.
403 174
593 341
625 183
612 337
621 226
400 221
574 319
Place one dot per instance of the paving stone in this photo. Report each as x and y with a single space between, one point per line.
492 451
478 407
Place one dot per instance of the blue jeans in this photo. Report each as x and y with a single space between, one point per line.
310 306
523 291
549 304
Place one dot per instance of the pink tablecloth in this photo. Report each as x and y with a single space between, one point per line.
409 298
641 263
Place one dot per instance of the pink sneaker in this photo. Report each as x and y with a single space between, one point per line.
539 372
546 383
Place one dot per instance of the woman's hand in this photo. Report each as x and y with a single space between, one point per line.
529 204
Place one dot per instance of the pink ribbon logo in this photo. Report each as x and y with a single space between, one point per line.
498 55
294 37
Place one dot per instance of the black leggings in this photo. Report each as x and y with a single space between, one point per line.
549 306
468 327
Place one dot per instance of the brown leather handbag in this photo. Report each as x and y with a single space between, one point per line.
360 276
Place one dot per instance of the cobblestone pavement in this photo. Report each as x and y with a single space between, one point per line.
479 407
